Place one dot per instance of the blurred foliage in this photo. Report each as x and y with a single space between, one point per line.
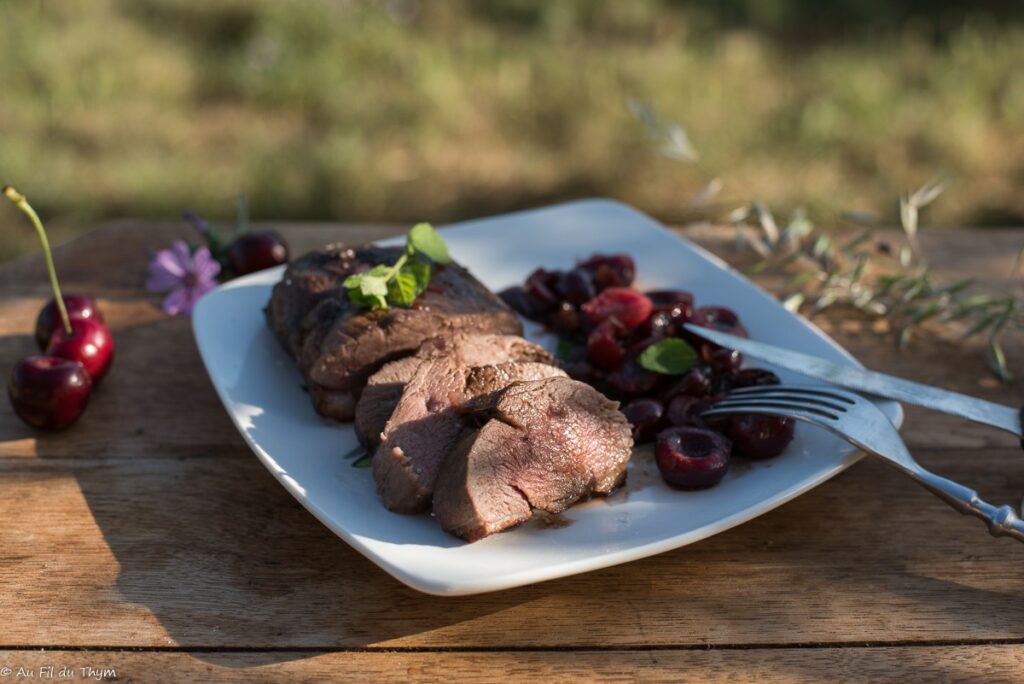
405 110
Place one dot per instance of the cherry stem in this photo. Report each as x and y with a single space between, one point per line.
21 202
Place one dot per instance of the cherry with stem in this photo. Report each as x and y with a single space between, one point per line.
21 202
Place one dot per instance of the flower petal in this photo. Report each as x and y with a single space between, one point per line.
204 265
160 280
166 259
182 254
178 301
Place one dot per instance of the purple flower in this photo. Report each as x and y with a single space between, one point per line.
184 276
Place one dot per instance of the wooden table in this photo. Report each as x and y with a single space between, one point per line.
148 541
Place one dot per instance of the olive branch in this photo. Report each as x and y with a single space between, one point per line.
865 272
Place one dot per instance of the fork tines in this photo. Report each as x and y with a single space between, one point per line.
810 403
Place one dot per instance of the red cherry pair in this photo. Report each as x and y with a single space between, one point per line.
51 391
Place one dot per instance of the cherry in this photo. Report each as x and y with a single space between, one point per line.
758 436
645 416
255 251
660 324
696 382
668 299
691 457
581 370
632 378
603 348
610 270
521 302
79 307
629 307
750 377
576 286
50 392
47 392
684 410
540 286
90 343
565 319
722 361
718 318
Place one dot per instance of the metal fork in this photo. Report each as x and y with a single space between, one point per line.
862 424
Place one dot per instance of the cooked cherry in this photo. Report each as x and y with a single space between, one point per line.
610 270
90 343
629 307
577 286
565 319
685 410
692 458
718 318
696 382
581 370
255 251
658 325
47 392
759 436
669 298
603 348
632 378
722 361
751 377
645 416
520 301
79 307
539 287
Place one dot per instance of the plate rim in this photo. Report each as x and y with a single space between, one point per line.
440 587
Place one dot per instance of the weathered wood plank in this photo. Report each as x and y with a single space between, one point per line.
989 664
212 552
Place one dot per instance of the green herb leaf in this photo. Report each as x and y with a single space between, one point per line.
669 356
364 461
409 284
401 283
369 289
428 242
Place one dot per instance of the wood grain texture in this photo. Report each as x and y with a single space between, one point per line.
150 525
988 664
211 551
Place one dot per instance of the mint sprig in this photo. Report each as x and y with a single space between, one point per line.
400 284
670 356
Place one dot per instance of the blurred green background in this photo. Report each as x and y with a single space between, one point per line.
406 110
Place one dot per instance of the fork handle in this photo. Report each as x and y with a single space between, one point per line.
1002 521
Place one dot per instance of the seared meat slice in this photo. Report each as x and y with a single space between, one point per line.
315 278
384 388
338 345
427 423
546 444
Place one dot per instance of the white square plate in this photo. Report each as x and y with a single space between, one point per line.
263 394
